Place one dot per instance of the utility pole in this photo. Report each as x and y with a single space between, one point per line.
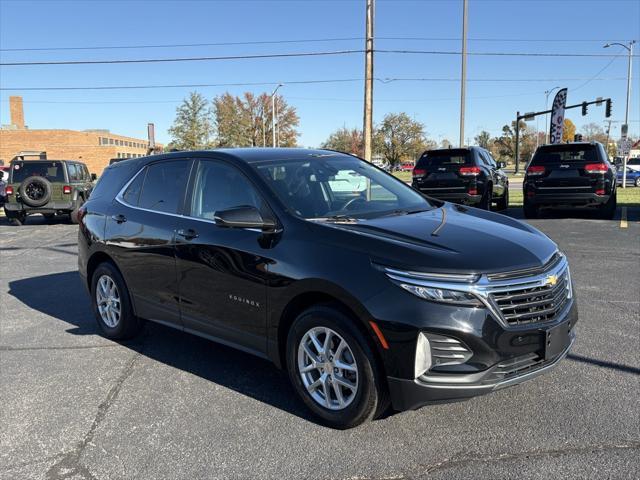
463 79
367 130
273 115
517 149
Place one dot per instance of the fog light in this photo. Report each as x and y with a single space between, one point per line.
423 355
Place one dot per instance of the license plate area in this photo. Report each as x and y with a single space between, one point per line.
556 340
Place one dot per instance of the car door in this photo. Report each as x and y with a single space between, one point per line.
499 177
222 271
140 233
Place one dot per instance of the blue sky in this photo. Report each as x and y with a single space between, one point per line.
561 26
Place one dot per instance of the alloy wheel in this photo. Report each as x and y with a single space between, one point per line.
328 368
108 301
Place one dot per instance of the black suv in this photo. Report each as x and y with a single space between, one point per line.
363 289
570 175
463 175
49 187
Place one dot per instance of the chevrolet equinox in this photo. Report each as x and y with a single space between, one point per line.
367 292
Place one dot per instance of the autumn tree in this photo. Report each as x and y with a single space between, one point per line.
446 143
247 121
400 138
568 131
504 146
191 129
592 132
348 140
483 139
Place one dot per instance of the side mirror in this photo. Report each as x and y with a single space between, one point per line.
94 177
243 217
502 164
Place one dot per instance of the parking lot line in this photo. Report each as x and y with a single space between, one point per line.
623 218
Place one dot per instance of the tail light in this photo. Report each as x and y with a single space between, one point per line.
419 172
596 168
66 189
535 170
470 171
600 191
82 211
8 190
473 191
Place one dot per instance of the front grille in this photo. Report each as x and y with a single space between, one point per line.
522 305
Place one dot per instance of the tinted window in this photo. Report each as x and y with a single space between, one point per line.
52 171
566 154
219 186
164 185
132 194
442 158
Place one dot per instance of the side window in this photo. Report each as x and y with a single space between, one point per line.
72 170
219 186
163 186
132 194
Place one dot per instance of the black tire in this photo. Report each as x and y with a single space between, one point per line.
128 325
17 219
370 399
503 203
608 210
487 198
637 182
530 211
35 191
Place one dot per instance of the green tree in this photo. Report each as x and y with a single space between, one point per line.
483 139
568 131
504 146
348 140
247 121
400 138
191 129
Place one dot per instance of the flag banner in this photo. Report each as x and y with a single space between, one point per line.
557 116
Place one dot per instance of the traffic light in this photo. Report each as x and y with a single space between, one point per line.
607 109
584 108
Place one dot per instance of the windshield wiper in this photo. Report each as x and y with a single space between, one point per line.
335 218
405 212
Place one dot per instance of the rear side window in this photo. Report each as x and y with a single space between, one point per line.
443 158
566 154
52 171
132 194
163 186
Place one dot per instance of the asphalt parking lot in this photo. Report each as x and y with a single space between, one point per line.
170 405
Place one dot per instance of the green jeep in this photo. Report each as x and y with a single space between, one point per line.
49 187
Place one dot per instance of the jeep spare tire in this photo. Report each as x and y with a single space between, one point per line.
35 191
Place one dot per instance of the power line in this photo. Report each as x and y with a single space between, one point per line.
384 80
503 54
182 59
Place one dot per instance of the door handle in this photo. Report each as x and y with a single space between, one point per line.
119 218
187 233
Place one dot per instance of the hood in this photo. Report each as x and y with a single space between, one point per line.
468 240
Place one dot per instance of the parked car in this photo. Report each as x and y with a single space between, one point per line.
570 175
468 176
632 177
634 164
49 187
406 167
4 175
383 297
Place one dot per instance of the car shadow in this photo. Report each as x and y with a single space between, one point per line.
517 212
63 296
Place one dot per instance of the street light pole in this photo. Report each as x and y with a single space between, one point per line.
367 127
626 111
463 76
546 115
273 115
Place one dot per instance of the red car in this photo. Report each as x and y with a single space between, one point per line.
406 167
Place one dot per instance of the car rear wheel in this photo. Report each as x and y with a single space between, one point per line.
487 198
112 304
17 219
503 203
530 211
608 210
333 368
637 182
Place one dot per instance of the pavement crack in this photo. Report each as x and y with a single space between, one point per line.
69 464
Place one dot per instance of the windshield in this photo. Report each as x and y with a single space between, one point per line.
443 158
344 187
52 171
565 153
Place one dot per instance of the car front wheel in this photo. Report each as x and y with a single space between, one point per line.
333 369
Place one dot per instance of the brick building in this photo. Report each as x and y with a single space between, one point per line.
93 147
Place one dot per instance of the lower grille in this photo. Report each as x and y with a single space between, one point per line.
538 304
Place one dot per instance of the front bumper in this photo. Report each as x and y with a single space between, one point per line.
411 394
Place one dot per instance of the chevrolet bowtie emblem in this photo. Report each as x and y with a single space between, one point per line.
552 280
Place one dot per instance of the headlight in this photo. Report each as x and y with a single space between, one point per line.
442 295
